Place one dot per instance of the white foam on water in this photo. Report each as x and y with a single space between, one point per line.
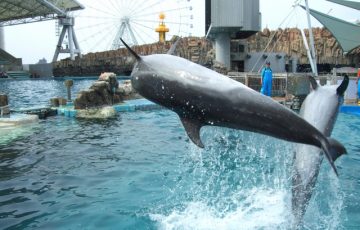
262 209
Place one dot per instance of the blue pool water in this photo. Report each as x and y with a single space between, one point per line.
37 92
140 171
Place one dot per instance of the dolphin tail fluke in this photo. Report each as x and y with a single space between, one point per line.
337 149
333 149
131 51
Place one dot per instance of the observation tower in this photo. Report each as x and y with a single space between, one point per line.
162 29
231 19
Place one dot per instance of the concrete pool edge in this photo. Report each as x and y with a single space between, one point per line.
126 106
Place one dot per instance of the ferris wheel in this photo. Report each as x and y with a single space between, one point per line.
101 24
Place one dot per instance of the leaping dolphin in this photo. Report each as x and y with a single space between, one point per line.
320 108
201 96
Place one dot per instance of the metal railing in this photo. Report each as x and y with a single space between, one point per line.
253 80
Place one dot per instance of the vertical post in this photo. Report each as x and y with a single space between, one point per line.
68 84
2 39
312 64
311 36
4 106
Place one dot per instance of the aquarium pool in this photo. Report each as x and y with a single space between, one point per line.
140 171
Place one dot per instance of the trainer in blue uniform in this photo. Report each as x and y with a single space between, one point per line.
266 80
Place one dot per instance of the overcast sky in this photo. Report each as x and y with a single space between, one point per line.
35 41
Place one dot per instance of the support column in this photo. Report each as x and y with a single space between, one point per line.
2 39
68 27
222 47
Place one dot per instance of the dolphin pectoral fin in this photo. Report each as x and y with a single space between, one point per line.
337 149
192 128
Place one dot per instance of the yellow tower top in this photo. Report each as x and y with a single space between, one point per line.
162 29
162 16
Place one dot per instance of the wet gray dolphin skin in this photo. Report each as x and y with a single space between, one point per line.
320 108
201 96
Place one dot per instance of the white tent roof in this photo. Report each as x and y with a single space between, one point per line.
351 4
347 34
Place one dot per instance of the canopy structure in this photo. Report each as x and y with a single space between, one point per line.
347 34
351 4
14 12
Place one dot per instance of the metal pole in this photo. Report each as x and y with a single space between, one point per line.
307 50
311 36
2 39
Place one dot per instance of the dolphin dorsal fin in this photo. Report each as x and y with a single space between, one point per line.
192 128
343 86
172 49
131 51
313 82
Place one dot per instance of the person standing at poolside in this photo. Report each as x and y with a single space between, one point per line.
266 80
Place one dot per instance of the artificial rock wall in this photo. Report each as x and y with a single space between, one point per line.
290 42
200 50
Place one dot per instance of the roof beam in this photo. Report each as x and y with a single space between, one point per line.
52 6
14 12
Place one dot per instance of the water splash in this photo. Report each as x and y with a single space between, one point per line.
263 209
243 179
239 177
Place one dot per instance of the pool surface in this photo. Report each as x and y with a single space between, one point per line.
140 171
37 92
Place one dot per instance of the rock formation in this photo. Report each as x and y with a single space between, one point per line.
97 101
127 91
102 92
